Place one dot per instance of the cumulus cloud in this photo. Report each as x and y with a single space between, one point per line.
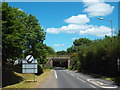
79 19
20 9
74 38
83 30
53 30
71 28
78 24
58 45
98 31
97 8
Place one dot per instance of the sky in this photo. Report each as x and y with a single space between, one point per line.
64 22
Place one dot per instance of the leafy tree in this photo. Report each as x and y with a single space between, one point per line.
34 39
61 52
50 50
12 32
21 35
81 41
99 56
72 49
119 33
77 44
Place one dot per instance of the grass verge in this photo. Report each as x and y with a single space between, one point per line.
30 84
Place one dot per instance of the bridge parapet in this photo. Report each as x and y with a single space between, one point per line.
58 58
51 59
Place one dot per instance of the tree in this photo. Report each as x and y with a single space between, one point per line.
119 33
21 34
77 44
12 32
34 39
50 50
72 49
81 41
61 53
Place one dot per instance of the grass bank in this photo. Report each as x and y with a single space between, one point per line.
30 84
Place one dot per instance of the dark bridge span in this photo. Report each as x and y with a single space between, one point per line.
52 60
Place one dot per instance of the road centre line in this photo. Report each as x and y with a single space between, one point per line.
56 74
77 77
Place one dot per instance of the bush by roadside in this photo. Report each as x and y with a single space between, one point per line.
9 77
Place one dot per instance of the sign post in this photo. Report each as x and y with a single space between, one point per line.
29 65
118 63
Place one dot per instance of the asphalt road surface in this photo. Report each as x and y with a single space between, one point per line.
62 78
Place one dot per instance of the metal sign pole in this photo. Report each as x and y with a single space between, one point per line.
29 65
34 72
25 73
118 63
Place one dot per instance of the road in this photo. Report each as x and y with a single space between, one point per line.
62 78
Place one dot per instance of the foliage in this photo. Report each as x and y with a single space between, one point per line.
77 44
81 41
61 52
75 61
50 50
99 56
119 33
40 70
9 76
21 35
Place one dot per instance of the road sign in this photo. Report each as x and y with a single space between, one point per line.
29 67
29 58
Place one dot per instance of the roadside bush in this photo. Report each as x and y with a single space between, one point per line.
9 77
40 70
69 67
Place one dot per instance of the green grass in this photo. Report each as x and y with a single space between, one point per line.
30 84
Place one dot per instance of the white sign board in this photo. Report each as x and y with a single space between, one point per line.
29 67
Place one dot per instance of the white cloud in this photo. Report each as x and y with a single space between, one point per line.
74 38
98 31
83 30
20 9
71 28
78 24
79 19
97 8
58 45
53 30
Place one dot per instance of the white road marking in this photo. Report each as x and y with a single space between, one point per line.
55 74
67 72
80 79
109 87
92 86
91 81
72 74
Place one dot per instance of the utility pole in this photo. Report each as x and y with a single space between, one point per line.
110 25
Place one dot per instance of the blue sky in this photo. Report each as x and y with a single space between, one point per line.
66 21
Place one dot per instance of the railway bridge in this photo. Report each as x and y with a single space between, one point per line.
59 61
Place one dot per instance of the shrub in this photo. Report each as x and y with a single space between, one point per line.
40 70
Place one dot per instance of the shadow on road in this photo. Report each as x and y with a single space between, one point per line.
58 68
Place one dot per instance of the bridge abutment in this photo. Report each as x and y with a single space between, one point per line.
52 59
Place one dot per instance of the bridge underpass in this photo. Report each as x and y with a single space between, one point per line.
59 62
